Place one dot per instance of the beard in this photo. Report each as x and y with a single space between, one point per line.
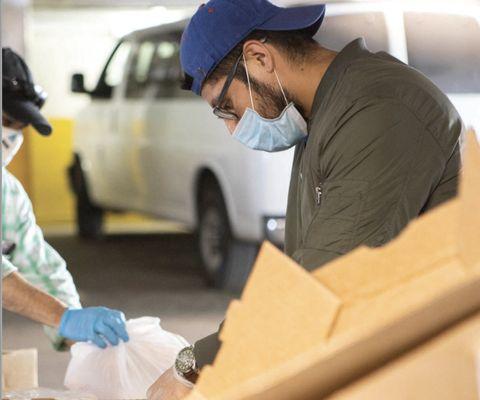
269 101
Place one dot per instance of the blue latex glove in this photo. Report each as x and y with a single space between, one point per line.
94 324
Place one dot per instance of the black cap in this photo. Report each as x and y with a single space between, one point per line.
22 99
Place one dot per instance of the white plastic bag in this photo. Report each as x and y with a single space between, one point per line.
125 371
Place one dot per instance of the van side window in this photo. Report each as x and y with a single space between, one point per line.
155 71
138 74
166 74
338 30
446 48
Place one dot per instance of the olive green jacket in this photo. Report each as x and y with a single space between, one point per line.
383 148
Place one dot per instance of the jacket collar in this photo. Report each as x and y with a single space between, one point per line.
352 51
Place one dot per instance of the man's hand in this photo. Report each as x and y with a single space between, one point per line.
168 387
96 324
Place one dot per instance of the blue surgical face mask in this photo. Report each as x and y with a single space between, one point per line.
271 135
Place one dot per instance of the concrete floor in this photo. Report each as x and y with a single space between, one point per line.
142 275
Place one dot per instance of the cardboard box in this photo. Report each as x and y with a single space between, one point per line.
444 368
295 335
19 369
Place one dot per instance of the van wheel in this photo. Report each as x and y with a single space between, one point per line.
89 216
226 261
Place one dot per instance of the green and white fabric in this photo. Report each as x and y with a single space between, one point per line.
33 257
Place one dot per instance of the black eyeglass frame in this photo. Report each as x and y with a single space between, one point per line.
218 111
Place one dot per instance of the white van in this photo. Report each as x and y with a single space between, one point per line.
144 144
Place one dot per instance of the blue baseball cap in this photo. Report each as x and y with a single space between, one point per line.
219 25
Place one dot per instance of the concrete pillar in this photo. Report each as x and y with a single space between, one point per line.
13 24
13 36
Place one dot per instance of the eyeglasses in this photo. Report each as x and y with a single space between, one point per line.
218 110
24 90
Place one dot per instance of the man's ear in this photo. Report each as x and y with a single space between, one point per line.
258 56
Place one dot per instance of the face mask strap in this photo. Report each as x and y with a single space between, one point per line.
248 80
281 87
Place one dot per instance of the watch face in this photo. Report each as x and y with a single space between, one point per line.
185 361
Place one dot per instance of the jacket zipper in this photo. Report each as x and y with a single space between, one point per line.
318 191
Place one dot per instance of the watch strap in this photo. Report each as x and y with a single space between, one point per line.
182 379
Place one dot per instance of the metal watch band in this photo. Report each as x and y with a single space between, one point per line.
191 376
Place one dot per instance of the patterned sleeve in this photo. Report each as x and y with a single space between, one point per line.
34 258
7 267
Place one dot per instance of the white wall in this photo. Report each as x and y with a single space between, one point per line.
60 42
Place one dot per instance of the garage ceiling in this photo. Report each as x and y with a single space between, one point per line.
136 3
150 3
112 3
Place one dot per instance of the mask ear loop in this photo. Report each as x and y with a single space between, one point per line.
281 87
248 80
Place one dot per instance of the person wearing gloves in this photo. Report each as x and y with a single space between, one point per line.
376 143
36 282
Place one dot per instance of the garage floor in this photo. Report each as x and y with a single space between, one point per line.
142 275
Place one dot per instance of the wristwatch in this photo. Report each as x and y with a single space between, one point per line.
186 365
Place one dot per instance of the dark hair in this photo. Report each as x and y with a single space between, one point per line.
297 45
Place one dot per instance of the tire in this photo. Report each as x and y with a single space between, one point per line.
226 261
89 217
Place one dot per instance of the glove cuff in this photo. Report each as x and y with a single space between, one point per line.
63 322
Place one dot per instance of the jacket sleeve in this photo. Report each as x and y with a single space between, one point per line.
377 172
33 257
207 348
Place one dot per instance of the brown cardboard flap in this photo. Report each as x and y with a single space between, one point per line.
283 312
468 228
441 369
398 301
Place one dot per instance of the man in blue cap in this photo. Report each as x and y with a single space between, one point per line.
377 143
